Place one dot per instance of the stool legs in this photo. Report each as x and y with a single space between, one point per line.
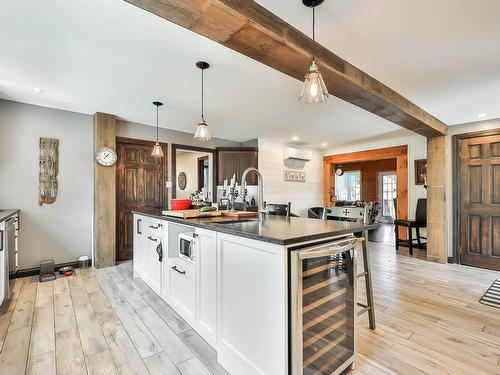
410 237
368 282
396 234
418 238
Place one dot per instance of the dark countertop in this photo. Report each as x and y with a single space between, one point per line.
273 229
7 213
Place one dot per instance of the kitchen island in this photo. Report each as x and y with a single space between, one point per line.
272 295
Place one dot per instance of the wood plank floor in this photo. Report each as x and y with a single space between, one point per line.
429 321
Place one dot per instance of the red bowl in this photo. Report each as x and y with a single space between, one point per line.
180 204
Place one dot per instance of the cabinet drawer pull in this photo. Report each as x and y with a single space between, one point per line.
177 270
138 230
152 239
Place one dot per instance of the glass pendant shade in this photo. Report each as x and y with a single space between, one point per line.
157 151
314 89
202 133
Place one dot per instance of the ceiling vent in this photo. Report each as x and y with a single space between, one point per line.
296 154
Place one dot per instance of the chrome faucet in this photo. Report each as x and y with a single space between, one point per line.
261 205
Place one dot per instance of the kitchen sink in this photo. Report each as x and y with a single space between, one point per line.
237 221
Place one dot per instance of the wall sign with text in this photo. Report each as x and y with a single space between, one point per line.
294 176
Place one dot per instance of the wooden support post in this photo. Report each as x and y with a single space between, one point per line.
436 199
104 194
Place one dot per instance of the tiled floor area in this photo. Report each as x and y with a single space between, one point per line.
105 322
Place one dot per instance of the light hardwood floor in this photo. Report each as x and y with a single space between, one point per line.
105 322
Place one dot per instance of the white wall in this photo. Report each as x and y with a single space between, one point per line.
187 162
417 149
303 195
61 231
453 130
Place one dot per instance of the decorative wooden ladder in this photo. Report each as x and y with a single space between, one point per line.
359 214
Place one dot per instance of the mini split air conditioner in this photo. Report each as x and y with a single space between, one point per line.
296 154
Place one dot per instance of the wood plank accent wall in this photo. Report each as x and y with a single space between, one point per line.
250 29
104 194
436 199
398 152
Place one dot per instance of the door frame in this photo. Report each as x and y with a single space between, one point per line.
163 189
175 147
400 153
456 203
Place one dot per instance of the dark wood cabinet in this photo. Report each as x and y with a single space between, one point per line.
234 161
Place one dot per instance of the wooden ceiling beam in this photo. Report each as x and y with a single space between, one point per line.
250 29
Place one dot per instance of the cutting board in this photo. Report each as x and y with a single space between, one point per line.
240 214
193 213
186 214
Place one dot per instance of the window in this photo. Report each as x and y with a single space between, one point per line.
348 186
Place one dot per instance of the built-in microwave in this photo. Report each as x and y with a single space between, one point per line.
186 247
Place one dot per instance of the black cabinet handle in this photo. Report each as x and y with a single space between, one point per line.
177 270
1 240
138 229
152 239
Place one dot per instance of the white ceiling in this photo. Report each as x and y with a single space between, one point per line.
109 56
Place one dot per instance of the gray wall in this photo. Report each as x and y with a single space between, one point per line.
61 231
139 131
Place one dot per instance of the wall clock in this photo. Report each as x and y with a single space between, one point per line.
339 171
106 156
182 180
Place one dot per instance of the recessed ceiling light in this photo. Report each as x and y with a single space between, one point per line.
37 90
481 115
324 144
295 138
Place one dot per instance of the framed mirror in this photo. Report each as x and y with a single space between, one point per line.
193 169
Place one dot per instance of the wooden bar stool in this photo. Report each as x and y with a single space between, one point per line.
359 214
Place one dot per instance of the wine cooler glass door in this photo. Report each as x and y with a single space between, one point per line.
324 313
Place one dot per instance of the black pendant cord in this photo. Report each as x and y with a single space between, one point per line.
157 123
314 34
202 70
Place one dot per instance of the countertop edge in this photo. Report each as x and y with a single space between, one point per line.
229 231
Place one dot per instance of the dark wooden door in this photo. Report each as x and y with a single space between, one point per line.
233 161
140 182
480 201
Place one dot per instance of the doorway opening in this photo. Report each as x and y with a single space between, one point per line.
388 194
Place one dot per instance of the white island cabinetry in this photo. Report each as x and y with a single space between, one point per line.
148 234
234 293
206 285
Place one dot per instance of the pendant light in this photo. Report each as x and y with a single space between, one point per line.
314 89
202 133
157 151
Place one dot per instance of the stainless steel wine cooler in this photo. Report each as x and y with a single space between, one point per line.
323 300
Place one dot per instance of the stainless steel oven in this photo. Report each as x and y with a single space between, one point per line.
187 246
322 302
